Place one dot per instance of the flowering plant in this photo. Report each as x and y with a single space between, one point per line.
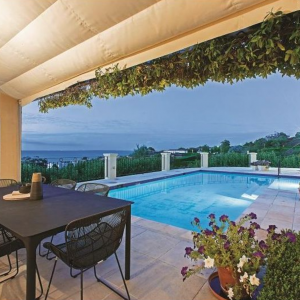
265 163
231 245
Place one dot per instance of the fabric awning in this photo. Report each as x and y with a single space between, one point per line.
48 45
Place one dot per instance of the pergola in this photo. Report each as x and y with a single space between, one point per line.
48 45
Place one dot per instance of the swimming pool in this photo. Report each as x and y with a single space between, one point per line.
177 200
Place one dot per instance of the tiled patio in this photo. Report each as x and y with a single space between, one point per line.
157 258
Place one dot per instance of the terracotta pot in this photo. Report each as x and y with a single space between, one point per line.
226 278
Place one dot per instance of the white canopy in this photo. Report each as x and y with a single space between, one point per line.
48 45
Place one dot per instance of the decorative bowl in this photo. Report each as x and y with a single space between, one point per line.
25 189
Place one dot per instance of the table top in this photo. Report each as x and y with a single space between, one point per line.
28 218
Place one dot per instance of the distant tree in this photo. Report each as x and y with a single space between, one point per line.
237 149
215 149
142 151
225 146
192 150
260 143
297 135
204 148
277 135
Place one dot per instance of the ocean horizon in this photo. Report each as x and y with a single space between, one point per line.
54 155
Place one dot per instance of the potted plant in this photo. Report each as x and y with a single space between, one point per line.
231 247
254 166
265 164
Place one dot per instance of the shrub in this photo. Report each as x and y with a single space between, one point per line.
281 281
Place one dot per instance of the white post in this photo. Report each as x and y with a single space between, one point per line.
204 159
252 157
165 161
110 166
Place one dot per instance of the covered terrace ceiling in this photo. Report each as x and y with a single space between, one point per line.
48 45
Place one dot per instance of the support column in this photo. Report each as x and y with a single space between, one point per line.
110 170
165 161
252 157
204 159
10 137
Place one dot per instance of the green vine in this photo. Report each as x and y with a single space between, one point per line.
260 50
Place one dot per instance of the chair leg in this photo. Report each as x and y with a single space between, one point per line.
48 251
40 251
10 268
109 286
75 275
46 296
81 285
40 282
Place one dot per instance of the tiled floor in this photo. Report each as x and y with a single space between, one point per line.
157 258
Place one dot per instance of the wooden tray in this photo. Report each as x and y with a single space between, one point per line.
16 196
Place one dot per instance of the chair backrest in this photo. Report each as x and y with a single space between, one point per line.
95 188
93 239
7 182
64 183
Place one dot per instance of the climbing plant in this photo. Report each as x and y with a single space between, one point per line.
260 50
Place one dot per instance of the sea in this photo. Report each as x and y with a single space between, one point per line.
56 155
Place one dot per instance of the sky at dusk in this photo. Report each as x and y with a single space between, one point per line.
174 118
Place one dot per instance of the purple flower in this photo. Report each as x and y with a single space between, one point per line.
251 232
208 232
211 223
262 245
258 254
227 245
255 225
276 236
216 228
188 250
252 216
184 271
291 236
223 236
271 228
241 229
201 249
212 216
197 221
196 234
232 223
223 218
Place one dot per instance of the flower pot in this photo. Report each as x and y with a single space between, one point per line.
226 278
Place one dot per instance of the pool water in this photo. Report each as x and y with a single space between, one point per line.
177 200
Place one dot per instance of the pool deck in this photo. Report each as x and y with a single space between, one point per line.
158 251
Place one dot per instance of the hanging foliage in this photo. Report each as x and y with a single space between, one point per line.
260 50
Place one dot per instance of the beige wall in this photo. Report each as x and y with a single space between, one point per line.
10 138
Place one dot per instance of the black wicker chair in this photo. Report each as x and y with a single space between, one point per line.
7 182
95 188
8 245
64 183
89 241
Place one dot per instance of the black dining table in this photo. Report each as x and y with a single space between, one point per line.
32 221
